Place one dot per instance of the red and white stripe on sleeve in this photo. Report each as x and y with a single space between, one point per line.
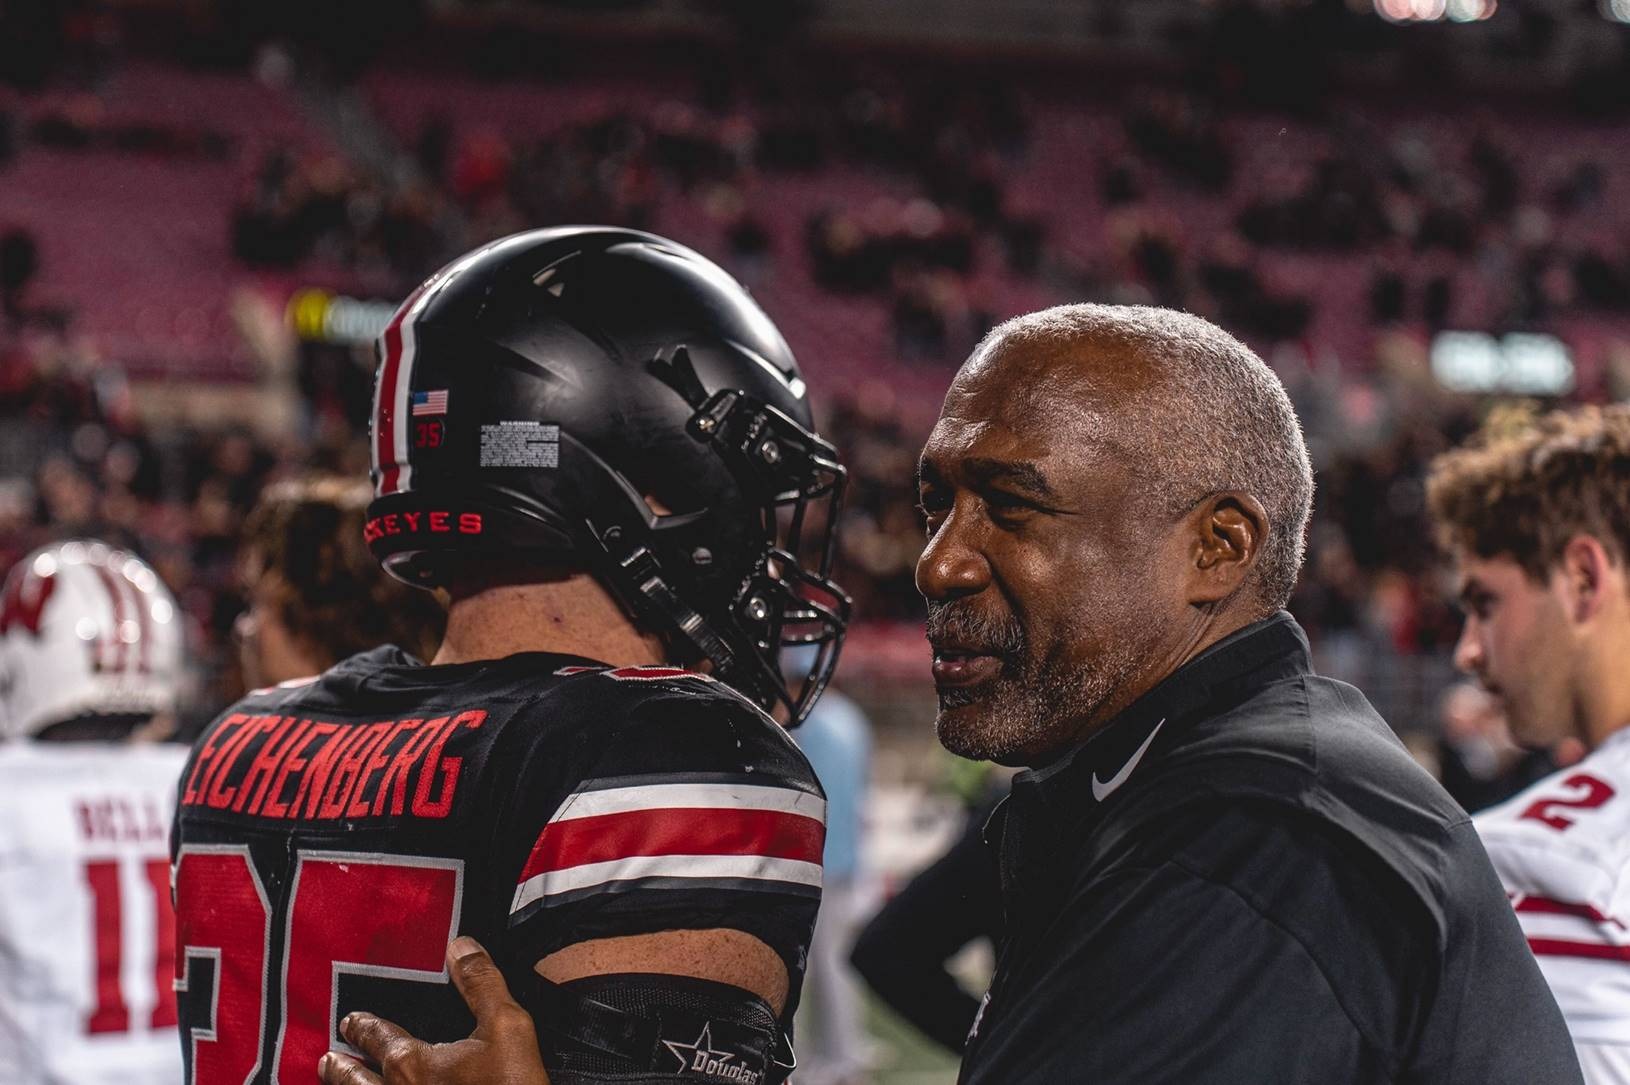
1556 928
675 832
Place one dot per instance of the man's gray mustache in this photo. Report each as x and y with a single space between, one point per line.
949 624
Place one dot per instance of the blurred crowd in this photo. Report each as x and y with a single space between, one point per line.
1455 231
77 459
944 206
467 180
1439 221
1469 237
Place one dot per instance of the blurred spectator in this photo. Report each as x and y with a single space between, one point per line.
1179 133
837 740
19 261
315 594
902 952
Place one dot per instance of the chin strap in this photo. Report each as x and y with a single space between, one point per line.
639 571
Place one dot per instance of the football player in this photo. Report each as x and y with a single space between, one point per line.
90 668
601 450
1537 521
315 593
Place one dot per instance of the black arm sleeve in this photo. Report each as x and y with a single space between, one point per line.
902 952
637 1028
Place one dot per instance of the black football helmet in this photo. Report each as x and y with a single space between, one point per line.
532 394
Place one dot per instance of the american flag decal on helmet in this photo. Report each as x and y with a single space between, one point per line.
395 403
690 831
430 402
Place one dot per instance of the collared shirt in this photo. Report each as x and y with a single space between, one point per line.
1244 878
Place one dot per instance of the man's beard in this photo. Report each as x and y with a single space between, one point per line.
1034 707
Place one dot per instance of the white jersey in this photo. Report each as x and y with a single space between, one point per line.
87 934
1562 848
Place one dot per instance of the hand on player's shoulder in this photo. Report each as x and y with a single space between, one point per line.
503 1049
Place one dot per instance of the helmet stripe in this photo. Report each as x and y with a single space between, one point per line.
386 409
404 396
120 648
394 388
392 391
141 604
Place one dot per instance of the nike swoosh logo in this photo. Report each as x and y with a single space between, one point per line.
1103 789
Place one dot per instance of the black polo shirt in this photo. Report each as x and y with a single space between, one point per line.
1245 879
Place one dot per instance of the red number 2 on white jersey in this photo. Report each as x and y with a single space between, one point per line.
1596 793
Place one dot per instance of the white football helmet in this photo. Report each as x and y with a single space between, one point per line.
85 630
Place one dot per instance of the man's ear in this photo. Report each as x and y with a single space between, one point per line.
1588 575
1228 532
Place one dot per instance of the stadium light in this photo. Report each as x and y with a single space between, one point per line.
318 315
1470 11
1436 11
1520 363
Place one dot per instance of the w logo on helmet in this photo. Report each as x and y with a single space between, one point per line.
24 602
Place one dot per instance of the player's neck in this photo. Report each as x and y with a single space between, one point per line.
570 616
1604 708
1607 709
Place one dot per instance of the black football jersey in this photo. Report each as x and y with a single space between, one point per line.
333 835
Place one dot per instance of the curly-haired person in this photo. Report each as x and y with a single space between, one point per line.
1536 519
316 595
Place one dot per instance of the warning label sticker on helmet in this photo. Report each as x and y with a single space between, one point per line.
520 444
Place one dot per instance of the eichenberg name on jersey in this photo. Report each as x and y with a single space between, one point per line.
293 767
